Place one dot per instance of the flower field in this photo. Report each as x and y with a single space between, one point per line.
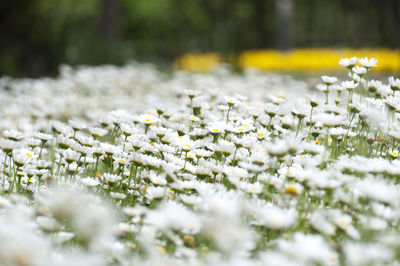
134 166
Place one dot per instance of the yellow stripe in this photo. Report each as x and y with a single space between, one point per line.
294 60
198 62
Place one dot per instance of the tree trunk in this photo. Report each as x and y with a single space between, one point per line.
284 12
110 19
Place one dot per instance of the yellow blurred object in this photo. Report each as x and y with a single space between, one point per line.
161 250
311 59
198 62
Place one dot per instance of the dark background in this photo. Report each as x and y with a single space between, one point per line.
38 35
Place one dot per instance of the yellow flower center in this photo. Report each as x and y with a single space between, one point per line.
172 194
161 250
343 223
215 130
28 154
292 190
260 134
187 145
317 142
147 120
240 129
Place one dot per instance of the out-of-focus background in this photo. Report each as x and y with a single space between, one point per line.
38 35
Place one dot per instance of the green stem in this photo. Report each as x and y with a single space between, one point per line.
41 149
348 129
184 164
309 130
299 125
4 170
59 166
326 94
227 114
96 165
130 175
366 82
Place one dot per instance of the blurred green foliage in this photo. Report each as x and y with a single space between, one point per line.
38 35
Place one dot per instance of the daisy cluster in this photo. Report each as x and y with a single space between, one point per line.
133 166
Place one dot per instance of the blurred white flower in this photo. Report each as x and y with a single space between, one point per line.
359 70
368 63
328 80
349 85
348 62
308 249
